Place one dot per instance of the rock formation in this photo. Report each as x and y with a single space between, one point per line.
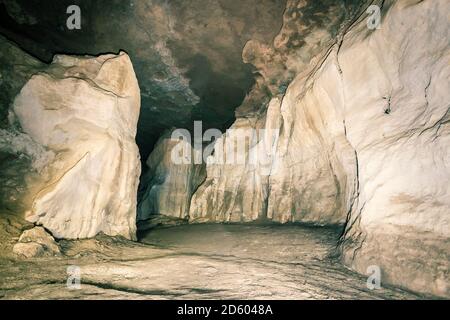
364 139
168 186
246 191
80 115
36 242
297 181
394 98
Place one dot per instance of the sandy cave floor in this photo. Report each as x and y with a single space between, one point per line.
196 262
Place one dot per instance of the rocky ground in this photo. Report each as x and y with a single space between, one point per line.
194 262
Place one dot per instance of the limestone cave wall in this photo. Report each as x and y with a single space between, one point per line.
364 140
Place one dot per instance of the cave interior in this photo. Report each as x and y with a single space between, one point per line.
354 202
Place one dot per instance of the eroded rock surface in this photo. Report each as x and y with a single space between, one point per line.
246 192
395 103
168 184
364 138
84 110
295 179
35 243
376 109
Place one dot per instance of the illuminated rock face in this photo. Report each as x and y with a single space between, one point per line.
169 184
298 181
85 111
234 189
366 136
394 98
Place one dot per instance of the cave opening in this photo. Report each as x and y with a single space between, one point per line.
224 149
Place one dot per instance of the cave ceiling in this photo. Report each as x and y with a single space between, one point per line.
188 55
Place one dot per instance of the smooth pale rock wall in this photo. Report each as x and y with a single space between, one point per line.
235 189
288 182
396 93
303 178
169 184
365 136
84 110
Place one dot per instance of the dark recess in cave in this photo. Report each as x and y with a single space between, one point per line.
203 49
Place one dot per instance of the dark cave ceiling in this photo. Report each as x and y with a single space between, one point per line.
194 59
187 54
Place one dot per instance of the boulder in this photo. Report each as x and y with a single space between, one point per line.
35 243
84 110
29 250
